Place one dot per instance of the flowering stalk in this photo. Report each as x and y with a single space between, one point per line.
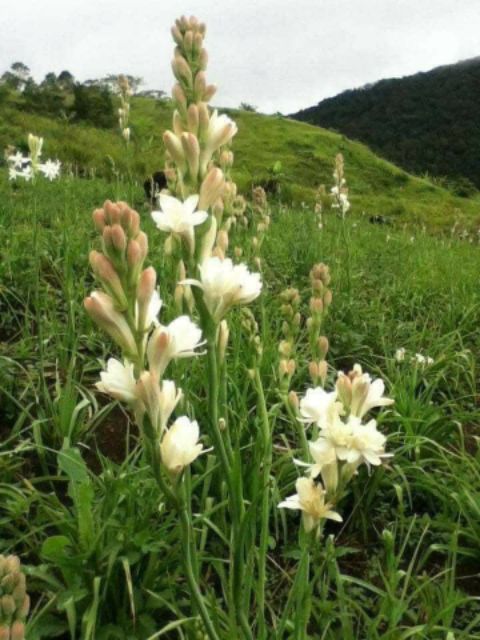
14 600
28 167
125 92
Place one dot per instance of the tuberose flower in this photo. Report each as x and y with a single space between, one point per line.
221 130
101 309
316 405
310 499
225 285
366 443
118 381
179 446
359 394
179 339
50 169
179 217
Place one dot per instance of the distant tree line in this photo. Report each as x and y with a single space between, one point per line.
62 96
428 122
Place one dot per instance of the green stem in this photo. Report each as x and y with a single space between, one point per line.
265 505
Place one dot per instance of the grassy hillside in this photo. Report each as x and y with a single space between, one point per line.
428 122
306 152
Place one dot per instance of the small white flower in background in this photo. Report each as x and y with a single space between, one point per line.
178 217
316 405
16 160
422 360
400 354
179 446
126 134
310 499
50 169
225 285
27 174
118 381
179 339
14 173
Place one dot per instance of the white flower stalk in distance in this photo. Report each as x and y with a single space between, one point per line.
310 499
179 339
225 285
179 446
179 218
118 381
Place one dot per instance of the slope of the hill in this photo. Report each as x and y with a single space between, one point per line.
428 122
306 154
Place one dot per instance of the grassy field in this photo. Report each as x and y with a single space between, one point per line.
305 152
78 502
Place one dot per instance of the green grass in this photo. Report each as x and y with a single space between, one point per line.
101 555
306 153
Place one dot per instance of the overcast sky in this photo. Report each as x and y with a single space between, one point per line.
280 55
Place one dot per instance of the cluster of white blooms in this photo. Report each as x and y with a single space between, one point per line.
29 166
132 322
417 358
339 190
343 442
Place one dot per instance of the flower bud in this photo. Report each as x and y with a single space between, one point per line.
323 346
327 298
111 212
211 188
344 390
191 149
99 219
238 252
293 400
222 240
105 272
179 97
174 148
17 631
181 70
193 118
119 239
316 306
285 348
223 334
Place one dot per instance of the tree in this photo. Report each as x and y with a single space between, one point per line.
93 104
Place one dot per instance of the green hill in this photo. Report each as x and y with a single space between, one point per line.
305 152
428 122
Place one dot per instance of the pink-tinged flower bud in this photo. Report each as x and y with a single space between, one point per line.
197 42
105 272
203 59
188 42
177 123
293 400
179 97
99 220
8 606
100 307
134 254
145 291
142 240
4 632
208 240
285 348
191 149
344 390
119 239
17 631
193 119
327 298
211 188
316 306
238 252
209 92
200 84
313 371
222 240
203 120
181 70
112 212
107 239
323 346
322 370
148 390
24 608
176 35
174 147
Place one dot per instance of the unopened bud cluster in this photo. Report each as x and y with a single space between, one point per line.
123 309
261 220
250 326
320 199
319 303
14 600
292 320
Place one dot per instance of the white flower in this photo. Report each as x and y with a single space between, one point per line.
359 394
422 360
178 340
225 285
118 381
366 443
221 130
400 354
17 160
179 217
151 313
316 405
169 397
14 173
101 309
50 169
27 174
179 446
310 499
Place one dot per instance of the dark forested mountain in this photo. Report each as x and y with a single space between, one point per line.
428 122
